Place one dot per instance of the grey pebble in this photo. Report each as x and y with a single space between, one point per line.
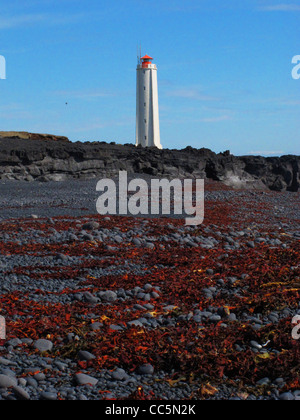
20 393
116 327
146 369
7 381
95 326
197 318
149 245
250 244
90 225
47 395
255 345
85 355
232 317
215 318
14 342
119 374
263 381
40 376
83 379
90 298
109 296
286 396
60 365
136 242
118 239
22 382
43 345
6 362
31 382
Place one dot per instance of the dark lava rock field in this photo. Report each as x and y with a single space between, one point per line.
42 159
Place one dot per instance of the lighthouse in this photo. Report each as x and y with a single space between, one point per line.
147 116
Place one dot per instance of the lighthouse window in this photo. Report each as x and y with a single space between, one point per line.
145 137
145 121
144 87
144 103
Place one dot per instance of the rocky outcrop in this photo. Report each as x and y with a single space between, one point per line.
45 160
24 135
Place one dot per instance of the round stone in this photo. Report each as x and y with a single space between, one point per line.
50 396
109 296
43 345
119 374
286 396
215 318
146 369
90 225
7 381
20 393
85 355
83 379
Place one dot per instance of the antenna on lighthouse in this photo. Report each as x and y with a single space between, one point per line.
139 53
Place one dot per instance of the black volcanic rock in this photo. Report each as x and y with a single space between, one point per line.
45 160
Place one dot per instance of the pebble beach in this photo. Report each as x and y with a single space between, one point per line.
119 307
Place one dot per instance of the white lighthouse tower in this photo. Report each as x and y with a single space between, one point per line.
147 116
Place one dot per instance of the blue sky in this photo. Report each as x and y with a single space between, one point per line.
224 70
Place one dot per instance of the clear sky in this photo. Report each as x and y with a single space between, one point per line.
224 70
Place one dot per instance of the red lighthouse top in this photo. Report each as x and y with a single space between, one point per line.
146 60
